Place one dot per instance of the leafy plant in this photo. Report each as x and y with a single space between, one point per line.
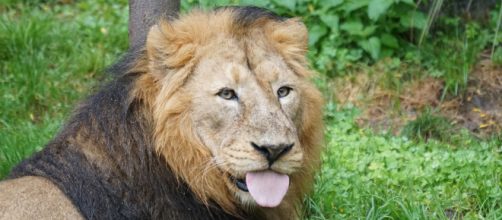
343 32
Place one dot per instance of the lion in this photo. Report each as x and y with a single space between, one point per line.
215 117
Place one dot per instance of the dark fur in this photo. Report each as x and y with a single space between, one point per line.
132 182
248 15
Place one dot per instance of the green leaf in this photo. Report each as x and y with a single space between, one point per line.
386 52
332 21
414 19
316 32
372 46
389 41
378 7
260 3
352 5
409 2
367 31
354 27
354 55
327 4
289 4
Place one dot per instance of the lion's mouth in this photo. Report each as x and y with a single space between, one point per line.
239 183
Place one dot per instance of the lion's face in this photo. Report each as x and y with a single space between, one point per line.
246 109
235 115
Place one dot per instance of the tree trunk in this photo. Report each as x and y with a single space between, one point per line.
145 13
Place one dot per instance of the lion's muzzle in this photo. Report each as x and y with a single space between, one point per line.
272 152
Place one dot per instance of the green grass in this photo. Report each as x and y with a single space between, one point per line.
452 54
52 55
378 176
427 126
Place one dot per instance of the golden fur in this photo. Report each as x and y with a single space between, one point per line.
176 48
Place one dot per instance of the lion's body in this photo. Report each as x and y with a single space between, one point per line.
161 141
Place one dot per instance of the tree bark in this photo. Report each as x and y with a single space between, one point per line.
145 13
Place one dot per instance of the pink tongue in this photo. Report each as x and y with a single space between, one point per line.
267 187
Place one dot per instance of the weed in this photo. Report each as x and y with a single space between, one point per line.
497 56
433 14
495 40
428 125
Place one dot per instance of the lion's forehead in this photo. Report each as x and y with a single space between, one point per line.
240 67
254 52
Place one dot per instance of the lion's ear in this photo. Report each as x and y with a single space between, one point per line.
168 48
290 38
291 35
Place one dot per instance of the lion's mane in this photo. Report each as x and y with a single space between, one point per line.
127 153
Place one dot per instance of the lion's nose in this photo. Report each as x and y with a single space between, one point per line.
272 152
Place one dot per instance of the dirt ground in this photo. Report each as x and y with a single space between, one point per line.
481 109
390 107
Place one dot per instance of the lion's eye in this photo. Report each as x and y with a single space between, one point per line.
228 94
283 91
